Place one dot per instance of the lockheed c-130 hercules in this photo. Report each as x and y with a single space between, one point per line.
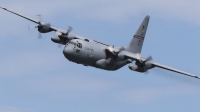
96 54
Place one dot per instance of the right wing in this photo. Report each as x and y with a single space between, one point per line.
173 69
33 20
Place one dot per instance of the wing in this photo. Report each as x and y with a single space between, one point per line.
136 57
173 69
51 28
33 20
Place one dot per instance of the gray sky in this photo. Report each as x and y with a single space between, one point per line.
35 76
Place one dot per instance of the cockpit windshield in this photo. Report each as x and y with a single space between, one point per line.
79 45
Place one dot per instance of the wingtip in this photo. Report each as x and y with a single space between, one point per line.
197 77
3 8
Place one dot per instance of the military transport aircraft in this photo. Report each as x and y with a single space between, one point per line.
96 54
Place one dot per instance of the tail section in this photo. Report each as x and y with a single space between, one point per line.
136 43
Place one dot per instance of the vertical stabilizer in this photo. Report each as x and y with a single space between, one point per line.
136 43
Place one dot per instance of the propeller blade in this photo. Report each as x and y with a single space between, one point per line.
110 49
39 35
108 60
138 57
147 64
30 27
148 59
120 49
69 30
147 72
58 33
39 18
59 45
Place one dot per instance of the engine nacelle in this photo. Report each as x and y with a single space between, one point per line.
121 56
44 28
101 63
56 39
148 65
133 67
137 68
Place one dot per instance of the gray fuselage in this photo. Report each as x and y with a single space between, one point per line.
88 53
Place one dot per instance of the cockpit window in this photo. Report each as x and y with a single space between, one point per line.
79 45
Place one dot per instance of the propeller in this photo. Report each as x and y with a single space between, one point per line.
64 35
39 35
69 30
142 64
30 27
146 63
40 27
148 59
39 18
33 27
59 45
114 53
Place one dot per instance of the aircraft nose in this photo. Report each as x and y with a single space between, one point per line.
67 51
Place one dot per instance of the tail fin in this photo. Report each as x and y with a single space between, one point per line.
136 43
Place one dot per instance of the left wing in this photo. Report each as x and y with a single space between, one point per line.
137 57
42 24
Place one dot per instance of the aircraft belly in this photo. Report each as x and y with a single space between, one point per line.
89 54
93 57
117 65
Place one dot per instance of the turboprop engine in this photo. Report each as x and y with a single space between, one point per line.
116 52
142 66
56 39
137 68
41 27
44 27
63 38
101 63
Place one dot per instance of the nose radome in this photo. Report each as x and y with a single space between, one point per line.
67 51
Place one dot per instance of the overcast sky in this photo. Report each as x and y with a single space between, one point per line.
36 77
